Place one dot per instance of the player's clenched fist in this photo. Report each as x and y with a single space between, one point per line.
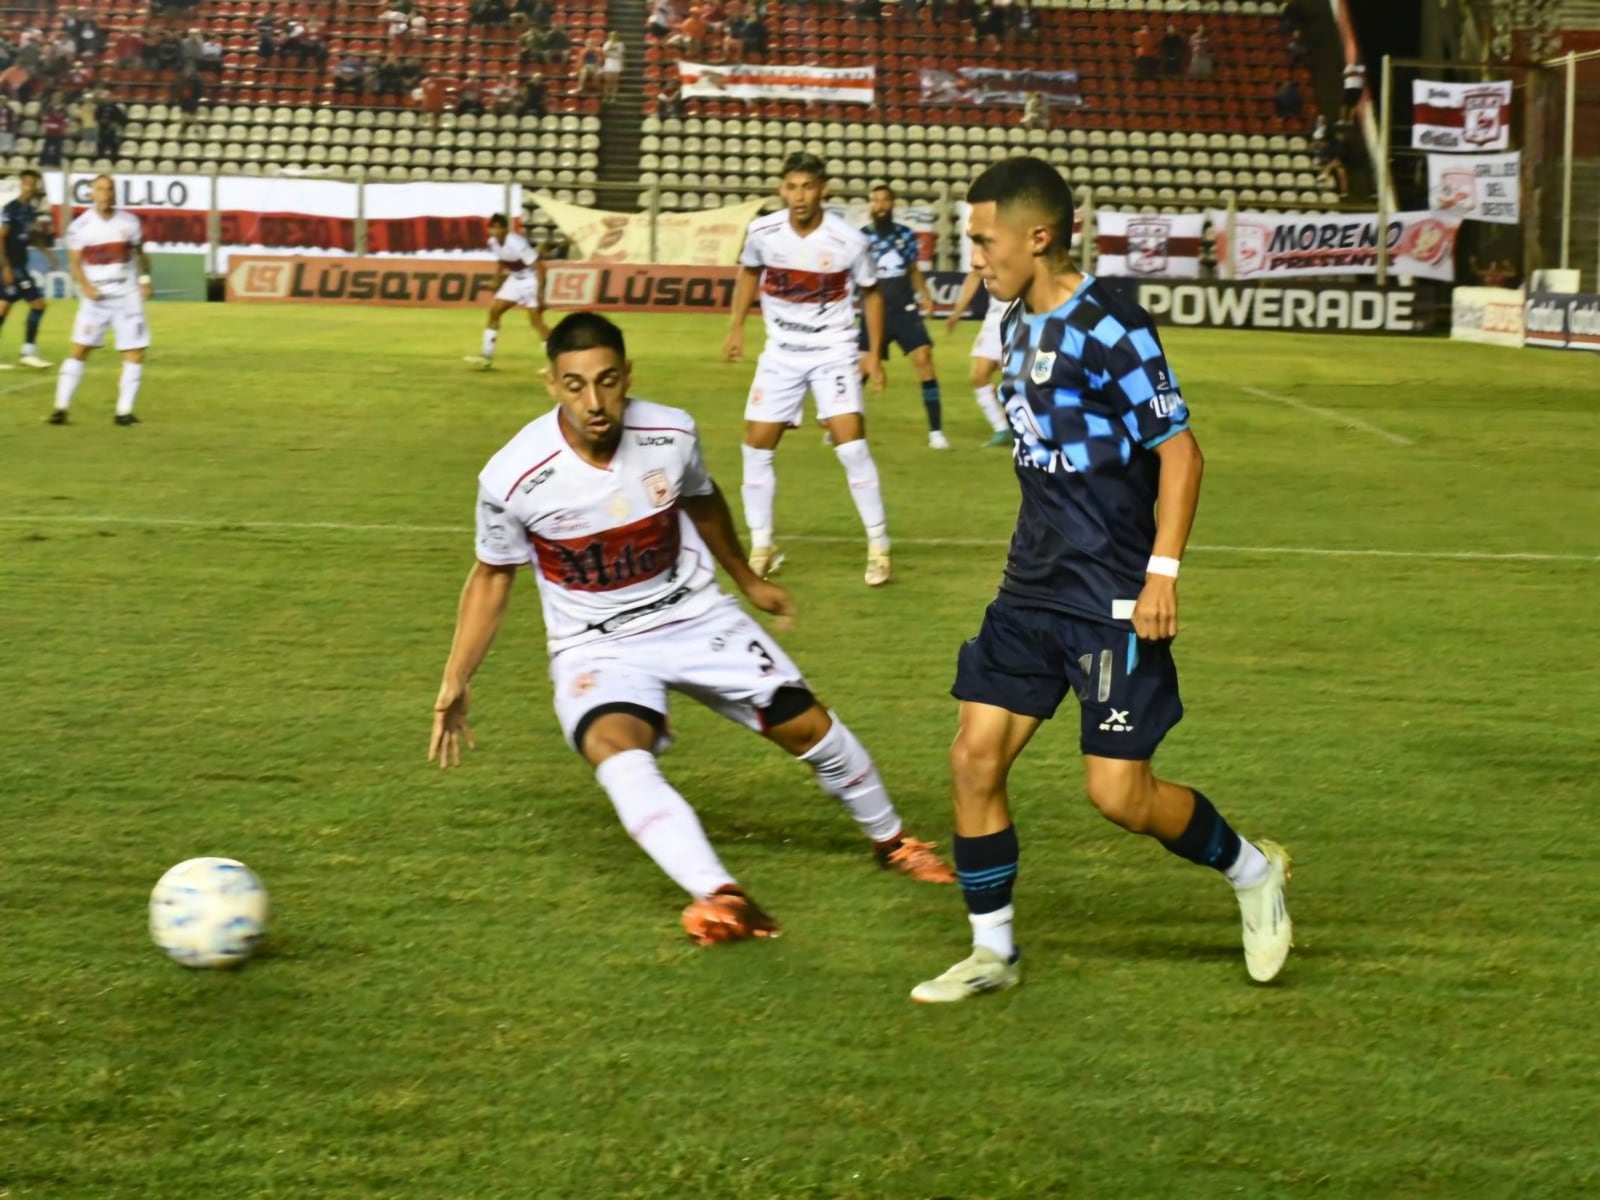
770 598
733 346
1155 614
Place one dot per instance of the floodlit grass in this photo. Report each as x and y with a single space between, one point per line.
222 631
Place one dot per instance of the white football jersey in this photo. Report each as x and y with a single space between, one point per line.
808 284
611 550
515 252
108 248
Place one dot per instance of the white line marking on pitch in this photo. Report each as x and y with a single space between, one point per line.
222 524
1330 415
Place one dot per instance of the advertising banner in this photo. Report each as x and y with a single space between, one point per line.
710 237
172 209
1478 187
1286 245
1490 316
276 215
1305 308
432 218
381 282
1563 321
991 86
1460 117
778 81
1148 245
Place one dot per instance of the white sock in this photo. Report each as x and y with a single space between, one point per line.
67 382
128 387
490 336
661 821
990 403
846 772
862 473
993 929
1250 868
29 349
759 491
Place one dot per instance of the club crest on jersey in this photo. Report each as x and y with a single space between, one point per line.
1044 366
658 488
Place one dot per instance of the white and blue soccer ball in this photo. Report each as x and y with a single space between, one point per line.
209 912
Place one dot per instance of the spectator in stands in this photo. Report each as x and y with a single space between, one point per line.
14 80
1329 154
557 44
733 38
532 42
1035 112
1497 274
502 97
488 12
612 53
521 14
1201 64
266 35
411 74
469 98
532 101
1145 56
1355 86
211 52
1173 46
61 51
419 27
397 22
669 100
1287 101
127 49
53 126
389 77
78 80
754 37
1298 51
89 36
433 93
663 16
350 74
691 33
189 51
589 60
1024 19
110 120
304 43
187 91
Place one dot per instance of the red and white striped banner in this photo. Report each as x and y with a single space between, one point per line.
778 81
1148 245
1460 117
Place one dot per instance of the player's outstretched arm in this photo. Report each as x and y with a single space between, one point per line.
744 295
969 289
483 604
714 523
1155 615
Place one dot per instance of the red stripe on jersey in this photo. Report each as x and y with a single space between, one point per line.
526 473
805 287
612 558
103 254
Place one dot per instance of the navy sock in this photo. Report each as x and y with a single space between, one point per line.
987 868
930 401
35 315
1207 840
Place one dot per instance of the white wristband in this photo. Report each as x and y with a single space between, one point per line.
144 279
1160 565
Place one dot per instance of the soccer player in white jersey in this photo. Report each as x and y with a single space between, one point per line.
609 500
105 248
521 286
986 357
809 265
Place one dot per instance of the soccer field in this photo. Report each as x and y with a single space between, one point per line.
223 630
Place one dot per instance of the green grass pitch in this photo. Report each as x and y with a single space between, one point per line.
222 632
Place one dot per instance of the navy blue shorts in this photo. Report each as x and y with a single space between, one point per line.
24 289
1024 660
903 328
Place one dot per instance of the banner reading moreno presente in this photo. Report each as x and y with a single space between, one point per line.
778 81
1307 244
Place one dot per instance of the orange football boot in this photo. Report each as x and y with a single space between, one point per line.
727 915
916 859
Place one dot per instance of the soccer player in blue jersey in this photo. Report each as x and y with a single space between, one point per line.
19 229
1110 477
906 301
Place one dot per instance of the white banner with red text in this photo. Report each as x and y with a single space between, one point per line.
1460 117
709 237
172 209
1298 245
1477 187
1148 245
778 81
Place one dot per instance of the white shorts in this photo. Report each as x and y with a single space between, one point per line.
987 343
722 658
521 290
778 392
123 315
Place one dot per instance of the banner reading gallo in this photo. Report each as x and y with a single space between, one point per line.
384 282
1311 307
172 209
1489 316
1460 116
1563 321
1148 245
710 237
778 81
1286 245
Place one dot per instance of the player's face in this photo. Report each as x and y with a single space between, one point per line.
497 231
103 192
880 206
1002 250
29 187
802 193
592 388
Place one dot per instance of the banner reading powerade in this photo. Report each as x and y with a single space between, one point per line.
709 237
1314 307
1288 245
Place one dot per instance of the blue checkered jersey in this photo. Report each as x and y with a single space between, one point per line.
895 250
1090 396
18 219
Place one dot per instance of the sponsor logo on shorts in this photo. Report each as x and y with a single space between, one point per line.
1118 722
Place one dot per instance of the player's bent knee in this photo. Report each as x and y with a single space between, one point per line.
610 729
795 720
977 767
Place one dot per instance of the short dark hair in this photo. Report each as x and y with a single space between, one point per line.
806 163
881 187
26 171
499 219
584 331
1033 182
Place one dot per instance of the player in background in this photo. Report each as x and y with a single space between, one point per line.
19 227
105 249
985 357
1110 477
906 301
521 286
808 265
609 500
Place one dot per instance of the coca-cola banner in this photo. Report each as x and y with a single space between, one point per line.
1460 117
172 209
1288 245
1148 245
